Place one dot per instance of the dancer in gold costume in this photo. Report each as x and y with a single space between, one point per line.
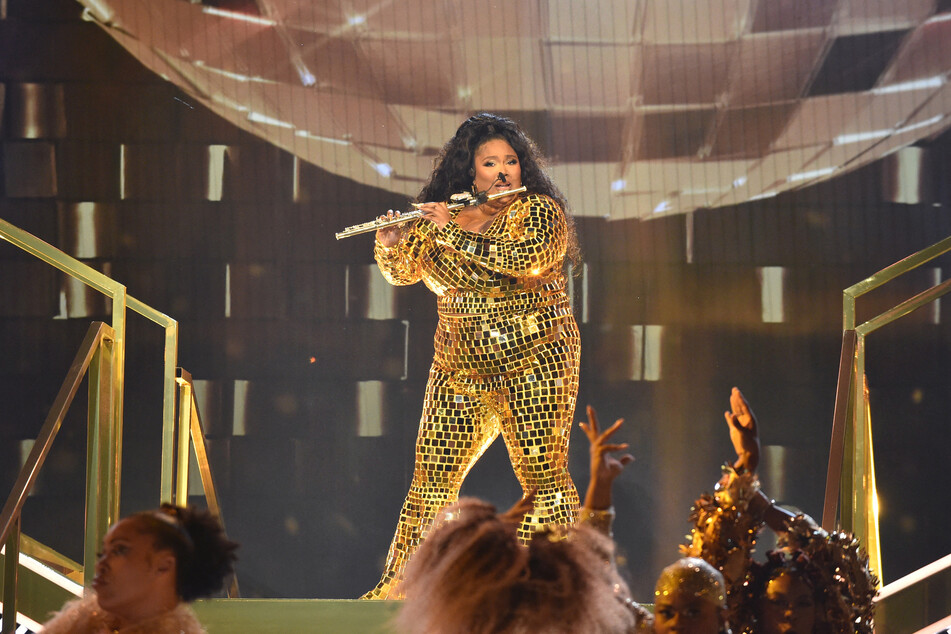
507 346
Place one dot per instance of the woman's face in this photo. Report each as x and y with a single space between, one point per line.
787 606
491 158
686 614
128 571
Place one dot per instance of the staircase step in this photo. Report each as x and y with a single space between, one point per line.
21 628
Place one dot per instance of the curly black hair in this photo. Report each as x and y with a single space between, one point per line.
204 555
453 167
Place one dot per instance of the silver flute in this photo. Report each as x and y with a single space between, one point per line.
470 200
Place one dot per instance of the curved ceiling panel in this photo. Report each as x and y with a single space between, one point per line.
647 107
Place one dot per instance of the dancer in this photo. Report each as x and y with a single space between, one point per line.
815 582
690 596
507 347
151 566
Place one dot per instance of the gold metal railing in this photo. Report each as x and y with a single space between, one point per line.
106 385
105 285
850 478
190 428
120 302
95 356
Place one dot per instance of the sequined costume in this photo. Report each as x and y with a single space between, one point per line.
724 534
725 530
507 350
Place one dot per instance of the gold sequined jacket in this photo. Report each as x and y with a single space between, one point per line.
499 293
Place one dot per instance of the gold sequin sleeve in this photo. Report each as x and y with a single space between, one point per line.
535 239
400 264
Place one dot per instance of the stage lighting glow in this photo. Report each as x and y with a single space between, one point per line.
858 137
232 75
229 103
316 137
921 124
257 117
805 176
907 86
242 17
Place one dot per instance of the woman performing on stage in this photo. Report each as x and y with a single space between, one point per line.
507 346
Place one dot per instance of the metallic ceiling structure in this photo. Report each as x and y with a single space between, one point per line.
646 107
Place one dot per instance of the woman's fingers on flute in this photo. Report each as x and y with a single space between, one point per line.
437 213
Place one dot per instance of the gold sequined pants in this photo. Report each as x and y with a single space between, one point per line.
462 414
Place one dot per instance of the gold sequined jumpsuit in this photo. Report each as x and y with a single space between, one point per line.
506 359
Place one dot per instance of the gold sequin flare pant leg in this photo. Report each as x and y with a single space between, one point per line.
462 414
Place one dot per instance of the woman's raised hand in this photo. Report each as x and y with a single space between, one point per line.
604 467
743 432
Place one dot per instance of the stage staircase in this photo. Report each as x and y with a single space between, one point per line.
36 580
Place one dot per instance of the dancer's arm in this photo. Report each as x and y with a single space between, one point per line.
744 433
598 509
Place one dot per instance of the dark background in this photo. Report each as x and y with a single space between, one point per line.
313 501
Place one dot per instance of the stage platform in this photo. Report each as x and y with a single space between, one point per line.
296 615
